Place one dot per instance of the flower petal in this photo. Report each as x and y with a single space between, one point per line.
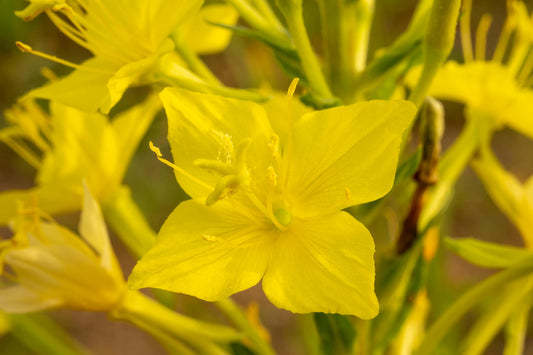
207 252
204 38
59 197
193 120
344 156
323 264
84 89
18 299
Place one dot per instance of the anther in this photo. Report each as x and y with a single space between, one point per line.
292 87
214 165
348 194
273 145
226 144
226 185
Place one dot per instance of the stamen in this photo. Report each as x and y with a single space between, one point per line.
464 23
508 28
292 87
525 72
159 156
226 145
211 238
226 185
481 36
27 49
272 177
214 165
348 194
240 157
21 150
273 145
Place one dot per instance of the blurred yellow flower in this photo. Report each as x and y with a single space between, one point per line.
75 145
268 184
512 197
49 266
127 39
498 88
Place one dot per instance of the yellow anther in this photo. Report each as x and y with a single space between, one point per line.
214 165
154 149
348 194
272 177
227 185
23 47
292 87
211 238
226 145
273 145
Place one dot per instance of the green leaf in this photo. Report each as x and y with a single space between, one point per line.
240 349
336 333
486 254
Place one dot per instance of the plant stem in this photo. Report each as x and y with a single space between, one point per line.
516 330
438 43
462 305
194 62
150 315
478 127
233 312
364 15
124 216
293 11
41 335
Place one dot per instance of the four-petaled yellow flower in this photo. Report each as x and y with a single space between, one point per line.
268 184
49 266
127 39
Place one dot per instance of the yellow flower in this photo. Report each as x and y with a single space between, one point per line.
75 145
498 88
127 39
512 197
49 266
268 184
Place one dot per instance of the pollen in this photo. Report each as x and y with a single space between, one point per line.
348 194
273 145
226 149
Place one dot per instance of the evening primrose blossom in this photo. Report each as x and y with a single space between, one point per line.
127 40
49 266
69 145
499 88
268 184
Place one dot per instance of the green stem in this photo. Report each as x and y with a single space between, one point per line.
235 314
194 62
128 222
273 33
515 335
489 323
150 315
364 14
42 336
170 72
438 43
454 161
293 12
467 300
